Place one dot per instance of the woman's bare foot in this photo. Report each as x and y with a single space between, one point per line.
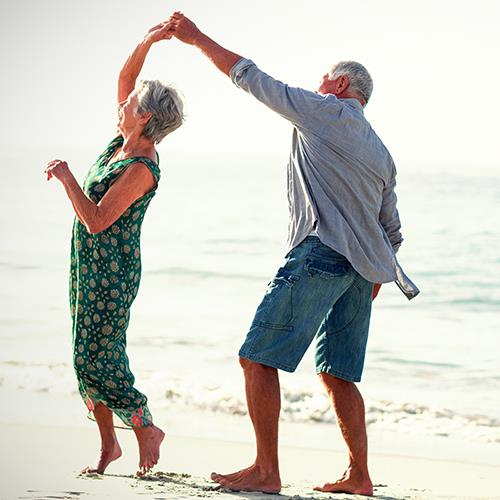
149 439
251 479
351 482
108 455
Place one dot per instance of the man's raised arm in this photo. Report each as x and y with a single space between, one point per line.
294 104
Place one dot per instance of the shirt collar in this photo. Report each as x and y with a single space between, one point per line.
354 103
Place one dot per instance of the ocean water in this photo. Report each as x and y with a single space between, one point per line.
212 239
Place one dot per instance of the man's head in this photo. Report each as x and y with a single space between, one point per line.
348 79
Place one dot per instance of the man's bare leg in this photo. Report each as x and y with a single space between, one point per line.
110 449
263 400
149 439
350 409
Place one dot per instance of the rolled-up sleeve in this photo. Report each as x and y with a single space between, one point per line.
389 216
297 105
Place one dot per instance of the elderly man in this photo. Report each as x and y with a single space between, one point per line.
343 234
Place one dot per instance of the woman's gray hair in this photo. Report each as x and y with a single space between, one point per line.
165 106
359 78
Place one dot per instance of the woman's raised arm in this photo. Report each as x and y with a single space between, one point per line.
134 63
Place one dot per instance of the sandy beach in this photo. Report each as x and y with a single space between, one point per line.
43 461
49 468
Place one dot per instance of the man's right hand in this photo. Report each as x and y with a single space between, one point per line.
184 29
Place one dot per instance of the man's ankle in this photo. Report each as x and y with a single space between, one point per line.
267 469
358 472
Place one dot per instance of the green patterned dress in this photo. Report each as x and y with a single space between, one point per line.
104 280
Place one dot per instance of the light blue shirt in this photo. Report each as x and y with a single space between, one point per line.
341 177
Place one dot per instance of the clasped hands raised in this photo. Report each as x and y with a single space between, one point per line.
177 25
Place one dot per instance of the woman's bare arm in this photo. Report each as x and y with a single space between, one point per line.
133 65
135 182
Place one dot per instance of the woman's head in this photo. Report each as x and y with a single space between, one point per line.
159 105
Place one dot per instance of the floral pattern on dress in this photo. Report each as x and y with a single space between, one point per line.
104 281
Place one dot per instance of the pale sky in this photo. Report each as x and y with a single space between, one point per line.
434 65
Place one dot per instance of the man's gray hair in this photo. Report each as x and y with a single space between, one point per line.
359 79
165 106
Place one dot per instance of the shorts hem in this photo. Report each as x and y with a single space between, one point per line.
263 361
336 373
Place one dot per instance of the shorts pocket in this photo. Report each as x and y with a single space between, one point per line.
276 308
345 311
327 268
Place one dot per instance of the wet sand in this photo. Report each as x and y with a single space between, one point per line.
42 462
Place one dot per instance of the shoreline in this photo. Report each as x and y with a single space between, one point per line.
44 461
185 422
46 440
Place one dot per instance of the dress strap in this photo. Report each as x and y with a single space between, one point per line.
152 166
116 141
110 149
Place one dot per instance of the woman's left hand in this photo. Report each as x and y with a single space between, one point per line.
58 169
162 31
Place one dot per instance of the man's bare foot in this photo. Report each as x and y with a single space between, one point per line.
251 479
149 439
350 482
108 455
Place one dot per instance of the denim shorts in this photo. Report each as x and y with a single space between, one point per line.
317 293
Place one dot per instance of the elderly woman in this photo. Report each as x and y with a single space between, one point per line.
105 255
